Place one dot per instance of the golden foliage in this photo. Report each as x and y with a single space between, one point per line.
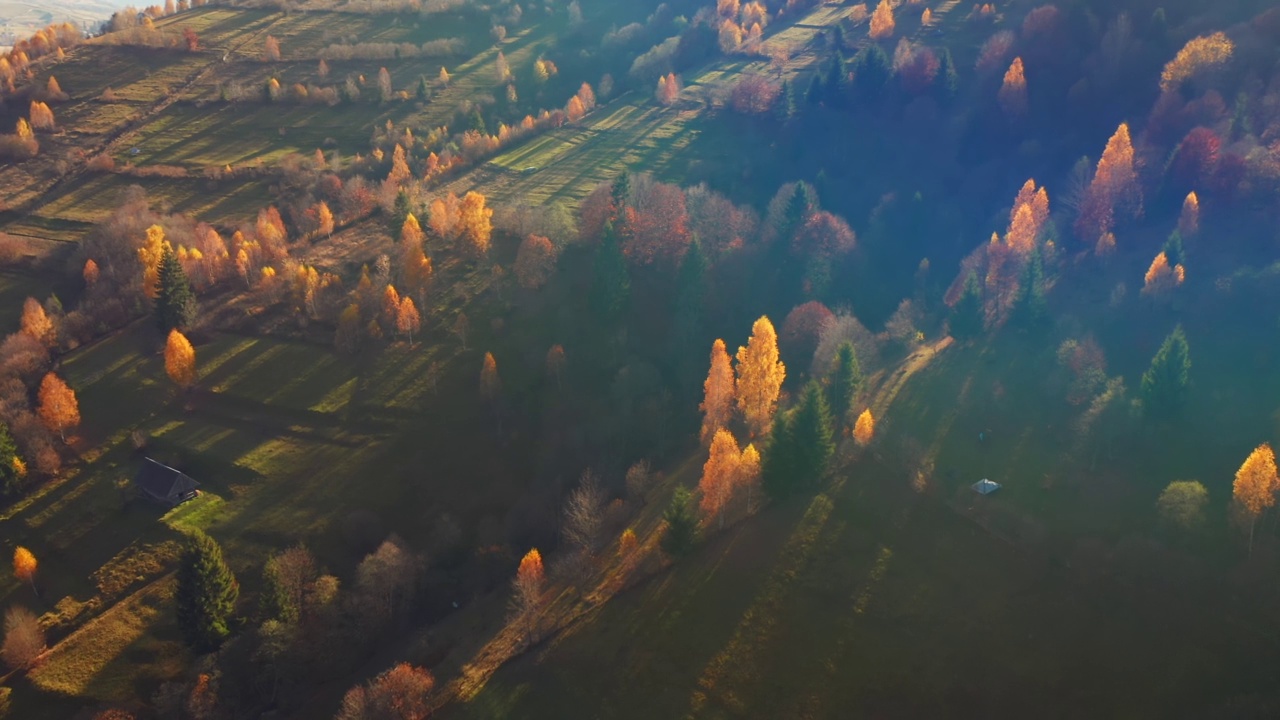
324 216
1182 503
719 474
882 23
24 564
926 17
1256 484
407 319
760 376
864 429
1013 93
1161 278
149 255
718 392
490 383
180 360
41 116
390 306
475 223
1198 54
58 409
1189 219
271 49
668 89
35 323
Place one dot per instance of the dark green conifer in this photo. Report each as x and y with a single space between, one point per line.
948 80
175 303
682 524
611 283
206 594
1173 250
846 380
687 317
424 89
1031 309
1165 383
778 466
811 430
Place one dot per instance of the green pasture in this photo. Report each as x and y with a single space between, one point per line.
97 196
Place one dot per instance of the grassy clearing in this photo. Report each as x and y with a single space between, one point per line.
94 199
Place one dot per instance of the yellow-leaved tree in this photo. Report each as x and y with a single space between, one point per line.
149 254
474 223
865 428
1256 484
719 475
718 393
58 410
180 360
24 566
760 376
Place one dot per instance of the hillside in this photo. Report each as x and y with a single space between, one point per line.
420 295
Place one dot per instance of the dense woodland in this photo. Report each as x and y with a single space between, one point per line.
479 322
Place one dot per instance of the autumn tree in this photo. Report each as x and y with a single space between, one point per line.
846 380
882 23
416 270
36 324
1114 188
864 430
668 89
475 223
490 383
150 253
180 360
58 408
1013 93
206 594
1256 484
175 301
24 566
401 693
23 638
407 320
760 376
1165 383
1199 55
1161 277
719 392
528 587
271 49
1189 218
41 116
288 578
535 261
1182 504
719 475
680 524
324 218
90 273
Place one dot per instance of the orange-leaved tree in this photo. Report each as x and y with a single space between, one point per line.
1199 54
749 473
555 363
528 585
149 255
1013 93
719 474
490 383
1114 188
1162 278
882 23
1256 484
718 393
324 217
407 318
474 223
865 428
36 324
24 566
1189 219
180 359
760 376
58 410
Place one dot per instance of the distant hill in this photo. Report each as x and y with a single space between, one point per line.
21 18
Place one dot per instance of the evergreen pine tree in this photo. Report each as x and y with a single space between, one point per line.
10 464
424 89
813 96
175 303
811 430
687 324
837 38
611 285
475 121
785 107
682 524
948 80
395 220
778 466
872 70
966 317
1031 310
1165 383
833 83
206 594
621 192
1173 250
846 379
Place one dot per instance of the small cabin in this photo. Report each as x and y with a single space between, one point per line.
164 485
985 486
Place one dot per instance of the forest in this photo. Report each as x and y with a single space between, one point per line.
398 359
